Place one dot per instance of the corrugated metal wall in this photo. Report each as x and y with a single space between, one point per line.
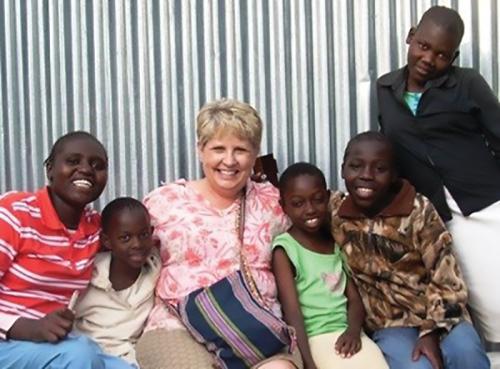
135 73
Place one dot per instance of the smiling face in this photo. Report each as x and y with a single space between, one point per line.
432 50
77 174
368 172
129 237
227 163
305 201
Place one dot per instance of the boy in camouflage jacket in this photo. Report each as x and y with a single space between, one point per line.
402 261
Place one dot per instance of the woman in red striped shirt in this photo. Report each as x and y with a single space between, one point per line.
48 240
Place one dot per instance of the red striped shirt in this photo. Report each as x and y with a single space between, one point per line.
41 262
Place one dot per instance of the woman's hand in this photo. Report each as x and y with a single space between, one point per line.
53 327
428 345
348 343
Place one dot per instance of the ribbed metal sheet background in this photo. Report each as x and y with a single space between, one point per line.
135 73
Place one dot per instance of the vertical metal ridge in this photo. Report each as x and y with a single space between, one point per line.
135 74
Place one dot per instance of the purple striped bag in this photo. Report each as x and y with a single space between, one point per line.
232 320
233 324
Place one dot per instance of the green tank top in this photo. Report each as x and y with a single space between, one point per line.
320 281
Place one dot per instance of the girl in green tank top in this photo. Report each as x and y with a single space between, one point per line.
317 296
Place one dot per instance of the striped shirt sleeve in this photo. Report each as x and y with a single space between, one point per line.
9 243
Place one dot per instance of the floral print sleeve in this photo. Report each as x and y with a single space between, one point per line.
199 244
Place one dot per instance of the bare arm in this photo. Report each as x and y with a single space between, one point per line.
355 308
287 295
350 341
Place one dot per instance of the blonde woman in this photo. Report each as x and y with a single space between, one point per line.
196 222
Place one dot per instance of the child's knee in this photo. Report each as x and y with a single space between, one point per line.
461 340
79 352
422 363
370 355
463 347
278 364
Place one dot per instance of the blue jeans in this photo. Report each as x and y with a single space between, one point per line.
74 352
461 348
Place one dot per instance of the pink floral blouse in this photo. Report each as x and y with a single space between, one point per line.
199 243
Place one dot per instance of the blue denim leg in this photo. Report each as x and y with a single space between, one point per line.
397 345
113 362
74 352
462 348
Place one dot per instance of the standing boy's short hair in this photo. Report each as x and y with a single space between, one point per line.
444 17
369 136
297 170
117 205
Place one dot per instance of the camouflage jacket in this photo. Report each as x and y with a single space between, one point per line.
402 261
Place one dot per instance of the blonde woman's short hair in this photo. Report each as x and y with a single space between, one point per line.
228 116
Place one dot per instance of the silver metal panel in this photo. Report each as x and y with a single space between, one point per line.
135 73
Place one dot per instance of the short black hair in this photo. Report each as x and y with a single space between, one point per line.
67 137
367 137
117 205
297 170
444 17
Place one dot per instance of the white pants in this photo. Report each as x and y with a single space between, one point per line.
476 240
324 356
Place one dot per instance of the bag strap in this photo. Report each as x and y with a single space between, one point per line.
245 269
241 218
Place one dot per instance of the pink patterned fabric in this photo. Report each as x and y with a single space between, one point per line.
199 243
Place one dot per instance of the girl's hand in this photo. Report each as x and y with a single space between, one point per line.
348 343
53 327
